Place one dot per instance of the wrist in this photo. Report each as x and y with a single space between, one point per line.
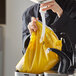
60 13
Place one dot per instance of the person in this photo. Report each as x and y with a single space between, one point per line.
60 16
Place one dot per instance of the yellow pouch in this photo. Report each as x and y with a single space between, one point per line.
37 59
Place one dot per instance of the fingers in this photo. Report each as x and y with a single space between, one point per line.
37 18
47 4
34 19
47 8
32 25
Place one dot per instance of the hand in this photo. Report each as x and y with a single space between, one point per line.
32 25
53 5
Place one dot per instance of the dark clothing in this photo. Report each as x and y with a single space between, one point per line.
66 23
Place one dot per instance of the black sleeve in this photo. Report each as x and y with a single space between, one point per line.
67 23
26 18
25 31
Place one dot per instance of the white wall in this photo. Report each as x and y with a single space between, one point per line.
1 50
13 34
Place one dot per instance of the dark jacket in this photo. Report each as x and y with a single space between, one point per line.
66 23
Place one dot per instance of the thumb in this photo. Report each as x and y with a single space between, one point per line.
37 18
33 19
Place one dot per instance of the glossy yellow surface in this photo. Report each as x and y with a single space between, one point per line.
37 59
